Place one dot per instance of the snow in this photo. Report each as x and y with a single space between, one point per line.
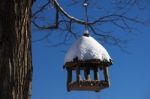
87 48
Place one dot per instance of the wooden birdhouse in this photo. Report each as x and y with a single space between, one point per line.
89 57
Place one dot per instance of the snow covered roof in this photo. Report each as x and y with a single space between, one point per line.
86 48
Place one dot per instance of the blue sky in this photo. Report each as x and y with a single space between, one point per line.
129 74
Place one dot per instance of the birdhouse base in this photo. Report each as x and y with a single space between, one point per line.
88 85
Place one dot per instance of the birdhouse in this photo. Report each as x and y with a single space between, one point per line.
87 58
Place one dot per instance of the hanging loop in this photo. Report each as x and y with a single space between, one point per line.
85 4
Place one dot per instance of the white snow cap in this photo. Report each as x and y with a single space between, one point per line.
87 48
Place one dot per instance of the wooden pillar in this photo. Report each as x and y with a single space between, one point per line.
69 76
96 74
106 75
78 76
87 73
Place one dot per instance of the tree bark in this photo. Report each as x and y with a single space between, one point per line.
15 49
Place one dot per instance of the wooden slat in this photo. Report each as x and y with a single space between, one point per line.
87 73
96 74
87 86
78 76
106 75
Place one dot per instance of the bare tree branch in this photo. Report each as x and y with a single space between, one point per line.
57 6
107 18
41 9
52 26
65 22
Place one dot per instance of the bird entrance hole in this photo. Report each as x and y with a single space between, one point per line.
89 75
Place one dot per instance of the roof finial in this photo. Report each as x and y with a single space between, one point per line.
86 33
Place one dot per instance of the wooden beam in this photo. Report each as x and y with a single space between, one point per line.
106 75
69 78
78 76
87 73
96 74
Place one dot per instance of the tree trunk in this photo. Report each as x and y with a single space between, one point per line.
15 49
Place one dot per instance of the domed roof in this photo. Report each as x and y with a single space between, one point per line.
86 48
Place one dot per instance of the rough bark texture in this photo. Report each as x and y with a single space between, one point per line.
15 49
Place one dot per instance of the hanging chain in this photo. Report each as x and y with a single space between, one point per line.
85 4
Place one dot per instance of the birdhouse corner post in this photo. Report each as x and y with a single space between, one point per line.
69 76
106 76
